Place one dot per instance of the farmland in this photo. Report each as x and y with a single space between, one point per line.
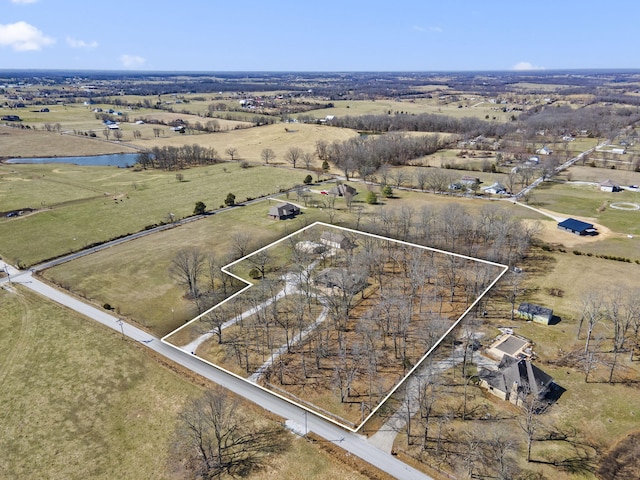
435 200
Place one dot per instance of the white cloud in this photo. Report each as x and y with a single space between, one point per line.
22 37
418 28
526 66
74 43
436 29
130 61
23 2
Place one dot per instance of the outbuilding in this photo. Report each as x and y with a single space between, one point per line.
536 313
577 227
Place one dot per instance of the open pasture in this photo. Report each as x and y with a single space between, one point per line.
114 202
251 141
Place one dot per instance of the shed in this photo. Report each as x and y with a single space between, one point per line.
537 313
577 227
283 211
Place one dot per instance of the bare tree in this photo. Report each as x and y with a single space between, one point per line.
267 155
293 155
217 438
232 152
186 268
307 160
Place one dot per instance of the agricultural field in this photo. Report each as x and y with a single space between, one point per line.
76 206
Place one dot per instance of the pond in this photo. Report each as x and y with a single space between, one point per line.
121 160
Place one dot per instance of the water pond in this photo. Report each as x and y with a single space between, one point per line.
121 160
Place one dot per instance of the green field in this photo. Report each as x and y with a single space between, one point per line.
110 202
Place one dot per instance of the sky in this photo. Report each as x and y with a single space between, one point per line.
319 35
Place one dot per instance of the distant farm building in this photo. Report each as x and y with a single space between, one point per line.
515 379
577 227
536 313
470 180
544 151
283 211
609 186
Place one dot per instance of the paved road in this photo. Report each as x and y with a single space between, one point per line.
353 443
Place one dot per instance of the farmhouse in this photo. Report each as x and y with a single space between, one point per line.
609 186
515 379
577 226
342 190
336 240
283 211
538 314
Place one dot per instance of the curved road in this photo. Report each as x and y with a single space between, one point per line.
353 443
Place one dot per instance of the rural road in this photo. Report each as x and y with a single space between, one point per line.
353 443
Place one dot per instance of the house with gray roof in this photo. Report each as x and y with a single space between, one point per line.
515 379
283 211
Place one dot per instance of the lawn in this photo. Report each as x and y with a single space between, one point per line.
117 202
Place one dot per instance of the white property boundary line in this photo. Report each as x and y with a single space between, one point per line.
358 232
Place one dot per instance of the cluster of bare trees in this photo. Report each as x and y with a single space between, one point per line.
617 309
491 233
558 120
365 155
177 158
215 438
467 126
202 277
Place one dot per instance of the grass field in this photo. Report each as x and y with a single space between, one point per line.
134 278
251 141
588 201
112 202
72 408
79 402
